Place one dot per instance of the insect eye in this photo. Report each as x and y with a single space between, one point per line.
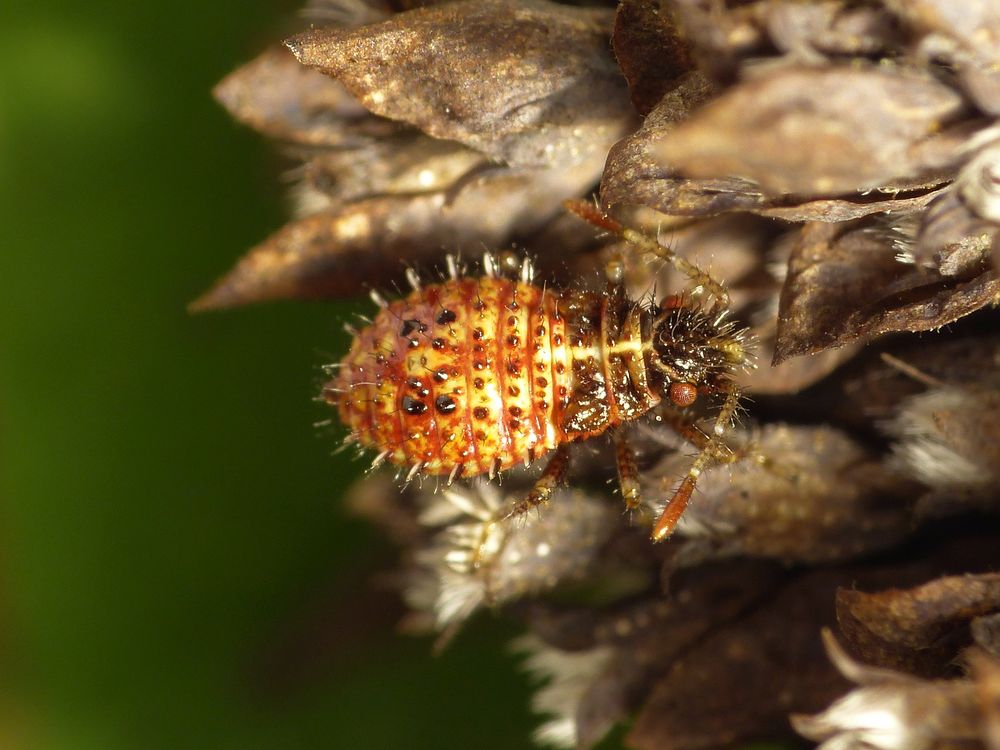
682 394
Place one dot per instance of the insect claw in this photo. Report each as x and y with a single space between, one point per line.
452 265
351 330
455 471
378 299
490 265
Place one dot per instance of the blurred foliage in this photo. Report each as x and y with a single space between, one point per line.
176 569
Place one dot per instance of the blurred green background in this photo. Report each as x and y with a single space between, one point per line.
177 569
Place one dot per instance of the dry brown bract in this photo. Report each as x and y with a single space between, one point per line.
837 164
845 282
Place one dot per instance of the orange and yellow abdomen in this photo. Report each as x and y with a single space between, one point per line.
465 377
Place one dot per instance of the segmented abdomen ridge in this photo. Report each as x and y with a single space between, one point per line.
466 377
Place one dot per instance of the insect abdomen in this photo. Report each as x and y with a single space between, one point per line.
465 377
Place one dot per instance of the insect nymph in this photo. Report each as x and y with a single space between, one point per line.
475 375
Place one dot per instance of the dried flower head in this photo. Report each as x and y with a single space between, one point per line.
946 439
479 556
566 676
835 164
894 711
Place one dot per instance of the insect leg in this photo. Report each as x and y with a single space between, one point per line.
709 452
628 472
550 479
650 244
693 434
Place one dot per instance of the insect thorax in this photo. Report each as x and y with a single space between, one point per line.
629 356
610 345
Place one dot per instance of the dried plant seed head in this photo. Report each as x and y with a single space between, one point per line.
894 711
566 677
835 163
794 493
947 439
478 556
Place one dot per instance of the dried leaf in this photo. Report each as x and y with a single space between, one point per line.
370 242
711 696
633 175
952 239
845 283
986 673
719 36
978 183
650 51
983 87
651 636
961 228
408 163
351 12
986 633
725 37
968 34
855 207
331 254
277 96
834 27
819 497
917 630
648 635
814 131
975 24
527 82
